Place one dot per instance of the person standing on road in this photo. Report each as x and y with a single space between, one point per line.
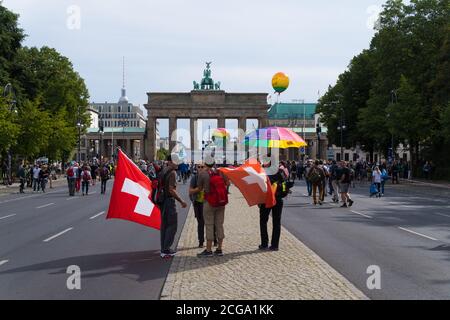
94 170
36 181
22 176
334 178
86 179
44 174
169 214
71 179
308 182
344 185
316 176
77 170
376 179
104 176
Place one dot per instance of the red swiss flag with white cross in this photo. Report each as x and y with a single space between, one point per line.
131 195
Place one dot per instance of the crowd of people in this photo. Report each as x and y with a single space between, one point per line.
36 177
80 177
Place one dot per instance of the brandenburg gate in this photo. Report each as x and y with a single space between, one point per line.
206 101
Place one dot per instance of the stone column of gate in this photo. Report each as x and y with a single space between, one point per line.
141 149
194 141
128 149
172 133
151 139
242 125
221 124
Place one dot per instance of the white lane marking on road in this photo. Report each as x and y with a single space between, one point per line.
362 214
19 198
45 205
11 215
441 214
3 262
71 198
98 214
93 192
419 234
57 235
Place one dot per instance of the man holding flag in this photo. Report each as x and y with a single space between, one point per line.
266 191
131 200
169 223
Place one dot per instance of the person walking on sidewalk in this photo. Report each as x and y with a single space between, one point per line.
86 180
214 184
198 198
317 177
280 180
344 185
169 215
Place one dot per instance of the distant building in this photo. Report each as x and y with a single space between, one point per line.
302 119
114 125
120 114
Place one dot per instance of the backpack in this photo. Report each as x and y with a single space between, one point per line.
218 194
104 173
160 193
70 172
86 175
314 175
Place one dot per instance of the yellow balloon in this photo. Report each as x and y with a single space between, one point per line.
280 82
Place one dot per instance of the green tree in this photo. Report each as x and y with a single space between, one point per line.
11 37
9 129
35 127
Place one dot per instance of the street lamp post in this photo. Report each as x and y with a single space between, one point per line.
341 128
394 100
100 131
8 91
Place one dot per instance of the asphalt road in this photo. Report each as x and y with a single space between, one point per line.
41 235
406 234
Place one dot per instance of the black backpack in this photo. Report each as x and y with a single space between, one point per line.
160 193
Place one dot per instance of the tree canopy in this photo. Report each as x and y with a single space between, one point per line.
399 86
50 96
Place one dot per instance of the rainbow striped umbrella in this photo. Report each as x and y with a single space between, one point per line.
274 137
221 134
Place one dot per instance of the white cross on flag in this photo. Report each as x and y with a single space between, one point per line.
252 181
131 194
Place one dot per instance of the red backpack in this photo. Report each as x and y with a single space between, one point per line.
70 172
218 194
86 175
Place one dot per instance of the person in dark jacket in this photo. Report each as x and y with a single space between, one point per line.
280 179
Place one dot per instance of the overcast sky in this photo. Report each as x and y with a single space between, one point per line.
166 43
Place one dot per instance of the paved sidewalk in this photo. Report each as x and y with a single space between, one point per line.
14 188
437 184
245 273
